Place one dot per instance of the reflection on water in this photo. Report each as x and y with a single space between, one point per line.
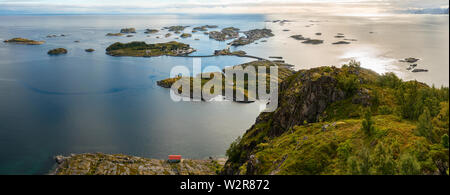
91 102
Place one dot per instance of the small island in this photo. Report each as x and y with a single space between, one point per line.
24 41
89 50
283 72
225 34
341 43
252 36
307 40
227 52
114 34
175 28
151 31
205 27
128 30
142 49
57 51
410 60
185 35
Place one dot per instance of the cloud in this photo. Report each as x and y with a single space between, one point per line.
214 6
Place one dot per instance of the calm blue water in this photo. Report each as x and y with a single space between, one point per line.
91 102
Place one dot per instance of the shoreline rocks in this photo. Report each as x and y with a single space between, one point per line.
119 164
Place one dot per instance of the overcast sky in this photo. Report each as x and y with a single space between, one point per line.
214 6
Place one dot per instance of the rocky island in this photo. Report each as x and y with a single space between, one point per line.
205 27
307 40
252 36
128 30
225 34
57 51
114 34
185 35
410 60
118 164
341 43
176 28
151 31
24 41
283 72
142 49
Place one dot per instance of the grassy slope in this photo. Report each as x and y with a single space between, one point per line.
343 148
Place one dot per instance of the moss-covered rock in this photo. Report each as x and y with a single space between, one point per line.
24 41
57 51
142 49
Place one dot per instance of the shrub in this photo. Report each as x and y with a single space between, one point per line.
409 165
367 123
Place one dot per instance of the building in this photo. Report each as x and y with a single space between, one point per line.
174 158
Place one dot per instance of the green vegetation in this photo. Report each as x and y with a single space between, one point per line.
142 49
348 120
24 41
283 72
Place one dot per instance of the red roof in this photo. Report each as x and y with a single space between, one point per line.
174 157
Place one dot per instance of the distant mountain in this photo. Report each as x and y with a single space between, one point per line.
425 11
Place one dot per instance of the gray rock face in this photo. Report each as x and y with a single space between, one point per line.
306 104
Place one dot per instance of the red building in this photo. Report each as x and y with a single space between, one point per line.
174 158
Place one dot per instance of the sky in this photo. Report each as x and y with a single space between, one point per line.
214 6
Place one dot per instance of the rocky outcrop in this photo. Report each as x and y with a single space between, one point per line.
225 34
24 41
410 60
128 30
307 40
341 43
303 99
185 35
204 28
118 164
176 28
252 36
114 34
151 31
57 51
